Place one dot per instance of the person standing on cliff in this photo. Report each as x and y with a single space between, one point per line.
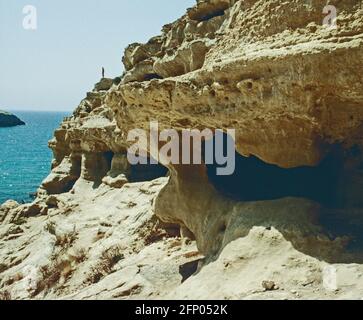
103 72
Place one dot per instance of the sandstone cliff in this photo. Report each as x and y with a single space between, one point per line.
289 216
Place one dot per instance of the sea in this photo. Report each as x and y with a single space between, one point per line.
25 159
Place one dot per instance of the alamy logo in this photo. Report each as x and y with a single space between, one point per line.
30 21
330 19
186 147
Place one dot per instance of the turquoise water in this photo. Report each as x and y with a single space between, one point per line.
25 158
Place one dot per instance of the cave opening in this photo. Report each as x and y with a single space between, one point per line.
96 166
146 172
108 156
75 172
336 184
217 13
256 180
151 76
210 12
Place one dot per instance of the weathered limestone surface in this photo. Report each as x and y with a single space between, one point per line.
273 72
291 88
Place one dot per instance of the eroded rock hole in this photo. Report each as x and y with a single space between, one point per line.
108 158
152 76
203 15
76 161
249 85
96 165
75 172
188 269
255 180
335 186
146 172
212 15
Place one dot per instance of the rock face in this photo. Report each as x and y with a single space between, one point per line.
283 223
9 120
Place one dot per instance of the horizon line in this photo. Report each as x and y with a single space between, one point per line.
36 110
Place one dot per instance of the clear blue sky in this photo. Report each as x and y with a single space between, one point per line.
52 67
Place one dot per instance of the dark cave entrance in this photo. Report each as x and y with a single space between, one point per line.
146 172
206 17
108 156
151 76
75 172
205 14
134 173
336 184
255 180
